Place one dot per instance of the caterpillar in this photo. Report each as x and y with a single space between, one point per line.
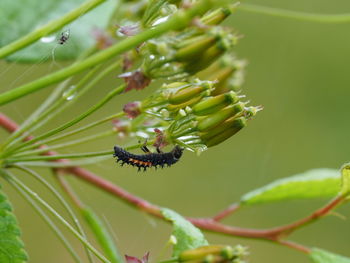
148 159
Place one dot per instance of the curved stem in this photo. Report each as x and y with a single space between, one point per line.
274 234
226 212
67 144
81 129
50 223
44 108
18 184
53 110
60 199
10 161
302 16
94 108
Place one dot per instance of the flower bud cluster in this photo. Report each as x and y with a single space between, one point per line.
214 254
186 53
201 106
190 115
228 72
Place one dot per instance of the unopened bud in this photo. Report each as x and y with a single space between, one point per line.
206 58
216 17
231 123
211 254
200 253
219 117
185 94
214 104
132 109
228 72
219 138
190 102
195 49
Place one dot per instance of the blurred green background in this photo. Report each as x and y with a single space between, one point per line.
299 71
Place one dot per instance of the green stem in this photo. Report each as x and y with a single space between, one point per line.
60 199
82 129
10 161
18 184
50 27
169 260
70 143
278 12
49 222
54 96
51 112
57 157
76 92
102 235
94 108
50 164
176 22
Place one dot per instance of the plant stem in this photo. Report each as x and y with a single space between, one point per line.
44 108
50 164
57 157
98 228
273 234
55 108
302 16
18 184
176 22
82 129
94 108
48 221
70 143
60 199
50 27
226 212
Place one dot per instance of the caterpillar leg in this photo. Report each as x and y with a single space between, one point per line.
158 150
144 147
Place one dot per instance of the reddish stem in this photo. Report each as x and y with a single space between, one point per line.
226 212
210 224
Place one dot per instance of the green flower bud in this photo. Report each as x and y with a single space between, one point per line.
212 254
231 123
219 138
228 72
216 17
185 53
156 10
201 252
214 104
185 94
187 103
195 49
206 58
217 118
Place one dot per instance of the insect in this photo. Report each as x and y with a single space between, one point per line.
64 37
148 159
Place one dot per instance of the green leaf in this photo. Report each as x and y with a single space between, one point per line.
11 247
311 184
345 185
322 256
17 18
187 235
102 235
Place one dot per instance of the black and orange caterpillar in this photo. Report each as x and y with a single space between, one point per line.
149 159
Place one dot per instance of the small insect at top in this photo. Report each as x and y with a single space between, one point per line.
64 37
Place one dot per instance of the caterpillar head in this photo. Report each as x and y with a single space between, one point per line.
177 152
